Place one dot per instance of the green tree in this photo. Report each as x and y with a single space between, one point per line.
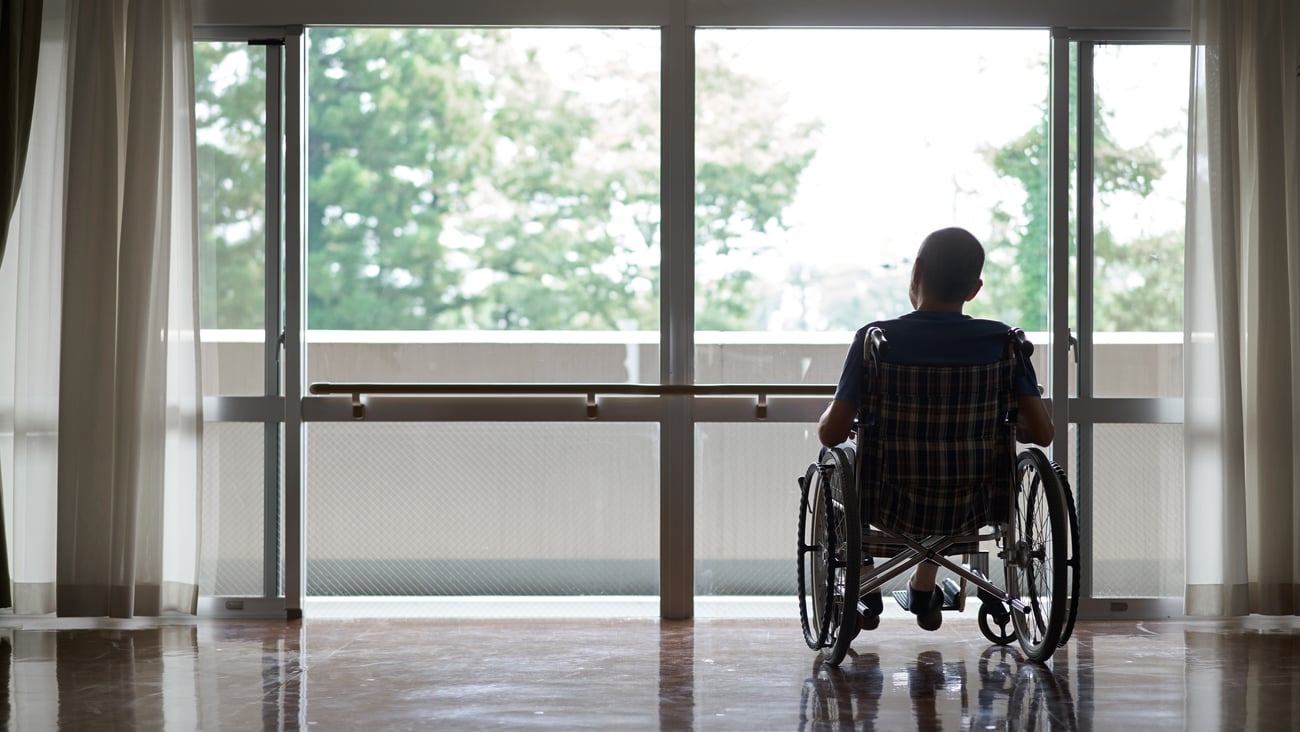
1019 254
230 89
1139 283
749 156
456 180
395 136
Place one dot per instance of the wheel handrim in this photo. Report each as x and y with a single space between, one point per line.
1032 558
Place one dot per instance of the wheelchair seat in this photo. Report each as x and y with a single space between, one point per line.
933 473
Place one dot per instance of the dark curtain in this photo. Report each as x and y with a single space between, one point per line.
20 41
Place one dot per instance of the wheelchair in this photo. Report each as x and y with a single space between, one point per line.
932 473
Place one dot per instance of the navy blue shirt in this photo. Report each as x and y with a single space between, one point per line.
927 338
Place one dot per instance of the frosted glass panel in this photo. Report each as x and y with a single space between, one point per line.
1137 547
231 559
747 506
401 509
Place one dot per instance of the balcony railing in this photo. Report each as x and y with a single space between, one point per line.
429 471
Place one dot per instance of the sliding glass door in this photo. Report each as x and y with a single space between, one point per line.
1126 307
238 112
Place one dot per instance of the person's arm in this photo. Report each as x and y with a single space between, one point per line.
836 422
1033 422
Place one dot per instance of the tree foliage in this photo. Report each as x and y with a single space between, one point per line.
749 156
457 179
461 179
1138 283
229 113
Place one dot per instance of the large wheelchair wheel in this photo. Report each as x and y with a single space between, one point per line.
1037 556
830 556
1075 562
813 616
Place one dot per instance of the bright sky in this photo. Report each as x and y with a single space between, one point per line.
906 117
907 114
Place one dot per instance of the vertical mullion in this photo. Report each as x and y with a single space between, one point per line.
295 565
1059 115
1060 283
1085 187
271 314
677 317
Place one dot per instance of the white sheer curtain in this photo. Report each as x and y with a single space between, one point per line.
101 303
1243 310
20 35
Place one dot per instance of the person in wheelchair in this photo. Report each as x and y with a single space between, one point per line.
945 276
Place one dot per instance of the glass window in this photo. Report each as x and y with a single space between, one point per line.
1140 183
483 204
824 157
230 121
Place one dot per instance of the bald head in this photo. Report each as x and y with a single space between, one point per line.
949 263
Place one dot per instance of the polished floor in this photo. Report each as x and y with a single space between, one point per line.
636 674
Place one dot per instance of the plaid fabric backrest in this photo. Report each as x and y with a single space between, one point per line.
939 445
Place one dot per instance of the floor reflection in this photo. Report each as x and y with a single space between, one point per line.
282 682
114 675
1009 693
676 675
94 671
6 675
1248 680
566 674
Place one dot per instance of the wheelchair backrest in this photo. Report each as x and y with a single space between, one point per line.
936 443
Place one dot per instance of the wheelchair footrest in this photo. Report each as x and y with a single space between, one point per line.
904 601
953 599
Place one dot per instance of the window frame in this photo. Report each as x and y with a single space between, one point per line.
677 412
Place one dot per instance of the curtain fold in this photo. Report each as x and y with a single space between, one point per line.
1242 339
30 289
107 466
20 35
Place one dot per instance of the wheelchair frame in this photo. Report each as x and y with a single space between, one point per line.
1040 554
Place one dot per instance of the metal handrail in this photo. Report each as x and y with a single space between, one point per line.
591 391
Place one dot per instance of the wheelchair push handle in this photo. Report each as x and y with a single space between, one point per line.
1021 342
876 343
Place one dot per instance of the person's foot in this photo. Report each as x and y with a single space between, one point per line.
927 605
875 606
